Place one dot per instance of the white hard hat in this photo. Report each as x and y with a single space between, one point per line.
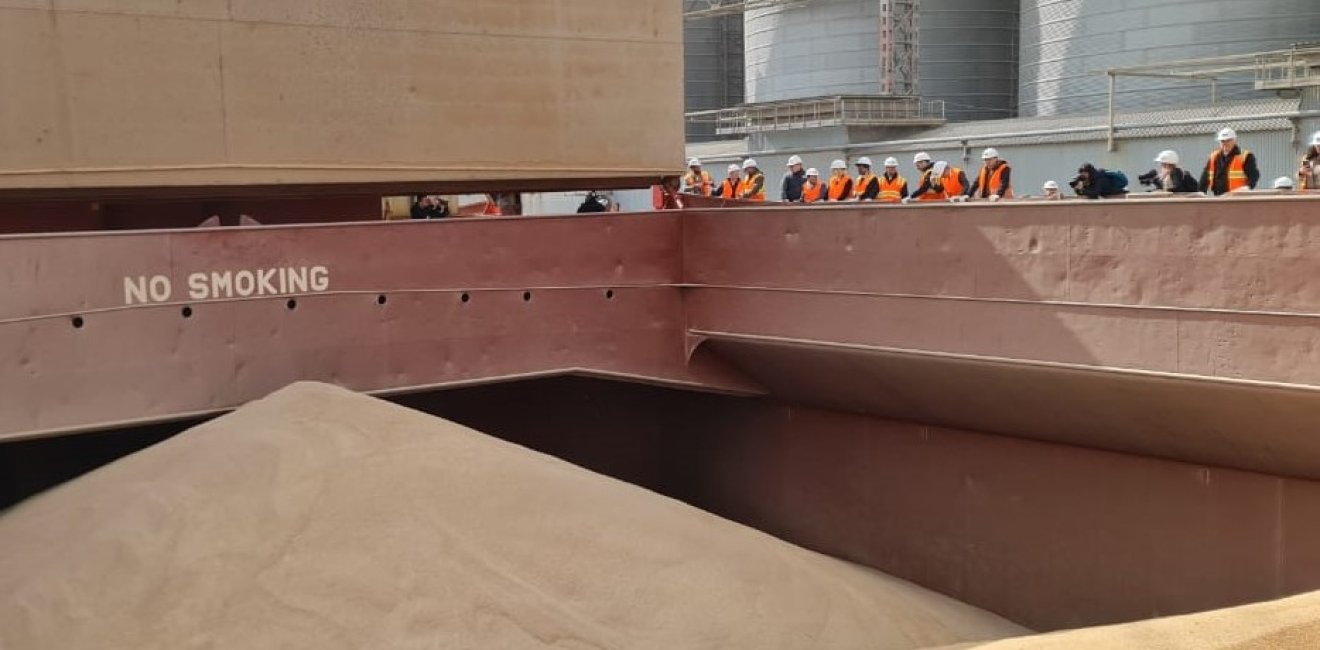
794 160
1167 156
921 157
839 164
989 153
694 162
813 172
864 161
734 168
940 167
891 162
1051 185
750 162
1283 183
1315 139
1227 134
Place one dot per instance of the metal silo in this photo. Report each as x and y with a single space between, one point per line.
822 48
1064 42
969 57
712 66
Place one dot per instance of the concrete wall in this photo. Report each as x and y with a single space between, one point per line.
239 92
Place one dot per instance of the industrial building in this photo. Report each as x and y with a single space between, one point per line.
1050 83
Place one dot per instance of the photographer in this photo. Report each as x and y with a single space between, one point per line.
1095 183
1169 177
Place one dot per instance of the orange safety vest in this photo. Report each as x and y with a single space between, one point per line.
812 194
931 194
1237 172
690 181
859 187
491 209
731 189
749 189
837 186
984 189
891 191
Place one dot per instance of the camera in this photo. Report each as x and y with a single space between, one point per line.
1149 178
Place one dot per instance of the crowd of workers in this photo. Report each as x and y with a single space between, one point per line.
1229 168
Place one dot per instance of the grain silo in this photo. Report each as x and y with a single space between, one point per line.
712 66
1066 43
813 50
969 57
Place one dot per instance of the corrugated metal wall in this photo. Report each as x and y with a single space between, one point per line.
969 57
712 67
1065 42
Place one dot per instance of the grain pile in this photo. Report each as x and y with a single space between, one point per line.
1288 624
317 518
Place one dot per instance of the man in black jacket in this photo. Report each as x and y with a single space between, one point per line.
793 181
1229 169
1095 183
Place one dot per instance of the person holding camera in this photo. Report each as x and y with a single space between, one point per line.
1098 183
1169 177
1308 175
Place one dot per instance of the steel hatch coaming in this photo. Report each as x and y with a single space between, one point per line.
1252 426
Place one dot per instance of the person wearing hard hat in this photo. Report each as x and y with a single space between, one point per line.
793 180
995 180
812 189
939 182
731 188
1284 183
1170 177
1230 169
697 181
1051 190
1308 175
753 188
893 187
867 186
840 185
923 163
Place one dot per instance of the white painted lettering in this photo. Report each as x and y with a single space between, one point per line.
222 281
297 280
245 283
197 287
264 287
160 288
320 277
135 289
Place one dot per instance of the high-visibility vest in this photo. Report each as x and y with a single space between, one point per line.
703 184
1237 171
891 191
732 188
984 184
838 186
750 189
812 194
863 182
931 194
952 186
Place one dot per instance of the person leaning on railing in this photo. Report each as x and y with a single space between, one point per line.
1308 174
1230 169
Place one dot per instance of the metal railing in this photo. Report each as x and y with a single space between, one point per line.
1294 68
822 112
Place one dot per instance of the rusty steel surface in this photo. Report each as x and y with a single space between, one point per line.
1211 290
463 301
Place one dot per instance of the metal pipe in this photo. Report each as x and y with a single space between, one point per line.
1021 134
1110 131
